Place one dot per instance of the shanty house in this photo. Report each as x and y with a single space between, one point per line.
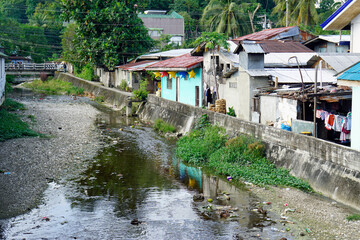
345 18
329 44
292 33
181 79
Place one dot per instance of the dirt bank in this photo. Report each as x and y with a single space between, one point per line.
33 162
309 216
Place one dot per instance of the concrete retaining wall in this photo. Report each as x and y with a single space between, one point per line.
111 96
331 169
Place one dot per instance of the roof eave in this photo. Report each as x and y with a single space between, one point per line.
342 16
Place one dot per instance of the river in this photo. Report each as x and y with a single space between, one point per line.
135 188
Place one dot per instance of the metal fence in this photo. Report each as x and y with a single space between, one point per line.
34 67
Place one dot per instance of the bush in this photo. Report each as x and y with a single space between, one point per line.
200 144
163 127
141 93
86 72
242 157
123 85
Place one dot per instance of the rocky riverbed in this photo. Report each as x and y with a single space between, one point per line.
72 136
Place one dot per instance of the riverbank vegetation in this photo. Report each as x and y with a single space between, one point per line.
53 87
11 125
242 157
163 127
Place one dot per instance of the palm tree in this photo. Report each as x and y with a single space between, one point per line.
226 16
305 12
300 12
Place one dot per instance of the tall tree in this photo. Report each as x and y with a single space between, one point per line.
302 12
15 9
305 12
213 41
226 16
109 32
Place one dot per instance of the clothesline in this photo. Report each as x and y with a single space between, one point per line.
336 122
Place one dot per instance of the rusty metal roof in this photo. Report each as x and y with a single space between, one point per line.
181 63
264 34
272 46
137 66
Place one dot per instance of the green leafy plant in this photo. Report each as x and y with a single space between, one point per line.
202 122
86 72
354 217
163 127
231 112
242 157
99 99
123 85
141 93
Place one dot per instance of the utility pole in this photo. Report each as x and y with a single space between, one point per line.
263 23
287 13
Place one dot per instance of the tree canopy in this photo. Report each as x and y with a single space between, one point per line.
108 32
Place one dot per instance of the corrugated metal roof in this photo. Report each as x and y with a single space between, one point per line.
353 74
292 75
138 66
271 46
340 61
171 14
258 73
264 34
252 47
282 59
170 53
183 62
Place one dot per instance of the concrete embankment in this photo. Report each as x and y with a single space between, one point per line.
331 169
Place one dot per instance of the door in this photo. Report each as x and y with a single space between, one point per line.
197 96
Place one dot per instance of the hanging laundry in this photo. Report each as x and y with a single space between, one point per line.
348 127
318 113
329 121
338 123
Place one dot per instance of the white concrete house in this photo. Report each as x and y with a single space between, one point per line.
2 77
348 17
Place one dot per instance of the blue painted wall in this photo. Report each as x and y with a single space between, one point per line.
187 93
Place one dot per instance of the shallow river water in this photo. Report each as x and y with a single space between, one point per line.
135 188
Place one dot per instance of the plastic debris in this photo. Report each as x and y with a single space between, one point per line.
46 219
307 230
229 178
285 204
7 173
210 200
267 203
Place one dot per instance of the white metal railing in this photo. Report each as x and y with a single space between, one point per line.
34 67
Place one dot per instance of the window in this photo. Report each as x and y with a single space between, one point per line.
169 83
232 84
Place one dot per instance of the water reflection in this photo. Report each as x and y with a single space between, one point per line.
135 175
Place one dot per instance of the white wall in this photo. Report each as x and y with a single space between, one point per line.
2 80
355 35
355 126
273 108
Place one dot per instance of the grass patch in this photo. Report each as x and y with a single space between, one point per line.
11 126
163 127
53 87
242 157
99 99
354 217
11 105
